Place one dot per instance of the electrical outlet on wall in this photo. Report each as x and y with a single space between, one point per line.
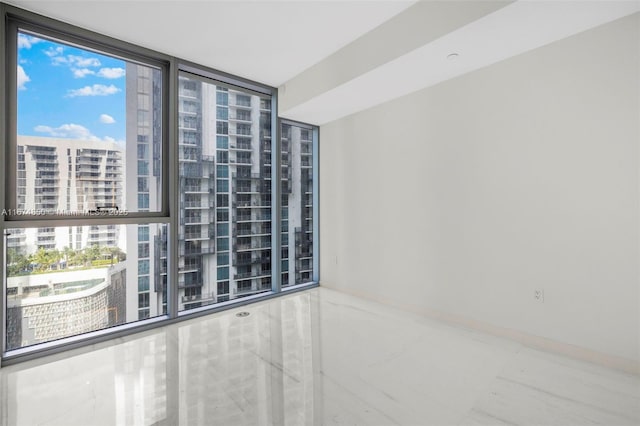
538 294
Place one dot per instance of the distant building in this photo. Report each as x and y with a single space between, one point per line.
147 243
224 234
66 176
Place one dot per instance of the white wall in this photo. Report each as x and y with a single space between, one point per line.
465 197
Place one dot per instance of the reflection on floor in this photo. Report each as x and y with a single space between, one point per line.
315 358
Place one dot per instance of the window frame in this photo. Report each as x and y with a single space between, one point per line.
315 166
56 31
220 79
14 19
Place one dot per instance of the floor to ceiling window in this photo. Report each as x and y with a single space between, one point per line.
138 189
224 238
297 142
86 155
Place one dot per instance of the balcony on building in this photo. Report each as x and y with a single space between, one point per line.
241 144
242 101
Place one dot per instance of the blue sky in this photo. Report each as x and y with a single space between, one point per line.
68 92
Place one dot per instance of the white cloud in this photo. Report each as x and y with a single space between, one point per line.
106 119
23 78
71 60
111 72
54 52
72 131
26 41
77 64
95 90
82 72
81 62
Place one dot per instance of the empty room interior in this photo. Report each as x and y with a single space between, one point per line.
320 212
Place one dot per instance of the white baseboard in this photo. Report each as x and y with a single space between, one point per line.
553 346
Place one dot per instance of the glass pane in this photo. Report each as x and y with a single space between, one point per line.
297 205
65 281
89 131
224 243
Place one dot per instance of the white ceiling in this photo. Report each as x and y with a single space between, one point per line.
267 41
509 31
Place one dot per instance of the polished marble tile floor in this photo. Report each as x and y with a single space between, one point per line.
317 357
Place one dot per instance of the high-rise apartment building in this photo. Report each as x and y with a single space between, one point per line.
297 205
224 235
197 261
224 238
67 176
146 244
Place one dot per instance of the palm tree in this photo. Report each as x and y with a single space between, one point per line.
44 259
115 252
93 253
56 257
13 262
22 262
67 252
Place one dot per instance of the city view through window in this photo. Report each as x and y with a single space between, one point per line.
90 142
